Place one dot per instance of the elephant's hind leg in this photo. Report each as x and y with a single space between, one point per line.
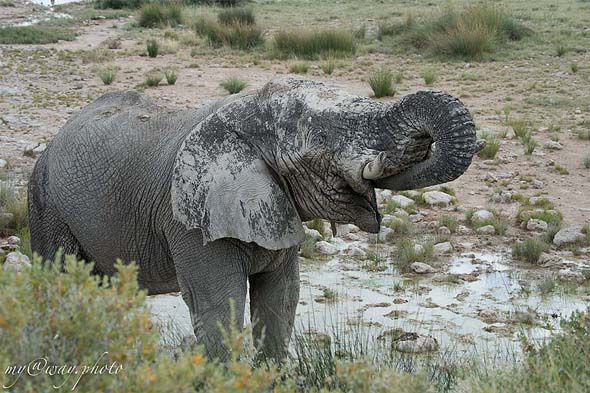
48 231
50 235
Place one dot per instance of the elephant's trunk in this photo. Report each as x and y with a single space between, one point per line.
451 128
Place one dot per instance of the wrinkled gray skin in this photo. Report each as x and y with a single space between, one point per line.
206 201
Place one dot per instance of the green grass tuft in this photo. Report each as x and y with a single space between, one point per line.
382 84
237 35
232 16
530 250
233 85
107 75
160 15
27 35
171 76
313 44
299 68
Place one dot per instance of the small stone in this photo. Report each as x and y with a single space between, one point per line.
419 345
538 184
401 213
422 268
13 240
510 134
325 248
3 164
548 260
416 217
553 145
402 200
570 275
443 248
486 230
323 339
313 233
463 230
536 225
382 236
568 235
418 248
443 231
342 229
491 177
481 215
354 251
488 315
16 261
437 198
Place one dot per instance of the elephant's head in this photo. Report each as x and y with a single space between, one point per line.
260 164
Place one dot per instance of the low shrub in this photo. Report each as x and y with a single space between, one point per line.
107 75
313 44
450 222
237 35
429 77
400 227
171 76
14 204
529 250
491 149
153 80
469 32
233 85
407 252
159 15
119 4
27 35
153 48
382 84
231 16
299 68
328 67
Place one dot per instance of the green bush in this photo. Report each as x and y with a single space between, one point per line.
159 15
382 84
233 85
299 68
450 222
312 44
34 35
529 250
153 48
231 16
14 203
237 35
107 75
429 77
328 67
170 77
118 4
153 80
467 33
491 149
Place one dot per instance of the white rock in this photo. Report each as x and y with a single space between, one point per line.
416 217
13 240
443 248
402 200
352 236
422 268
491 177
437 198
570 275
418 248
419 345
383 233
443 231
536 225
384 195
486 230
463 230
482 215
538 184
548 260
16 261
553 145
40 149
326 248
342 229
568 235
3 163
312 233
401 213
354 251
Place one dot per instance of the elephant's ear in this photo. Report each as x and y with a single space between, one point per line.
221 186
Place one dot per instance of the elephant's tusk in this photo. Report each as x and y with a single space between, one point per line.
374 169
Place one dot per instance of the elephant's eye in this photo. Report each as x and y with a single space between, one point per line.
316 137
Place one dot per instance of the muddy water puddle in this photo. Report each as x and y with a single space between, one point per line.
479 302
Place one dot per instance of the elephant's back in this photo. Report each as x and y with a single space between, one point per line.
109 172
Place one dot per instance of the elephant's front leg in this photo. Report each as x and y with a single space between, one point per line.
209 276
273 300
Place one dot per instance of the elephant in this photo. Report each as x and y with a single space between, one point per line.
210 202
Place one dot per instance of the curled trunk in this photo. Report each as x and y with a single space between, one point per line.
444 121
